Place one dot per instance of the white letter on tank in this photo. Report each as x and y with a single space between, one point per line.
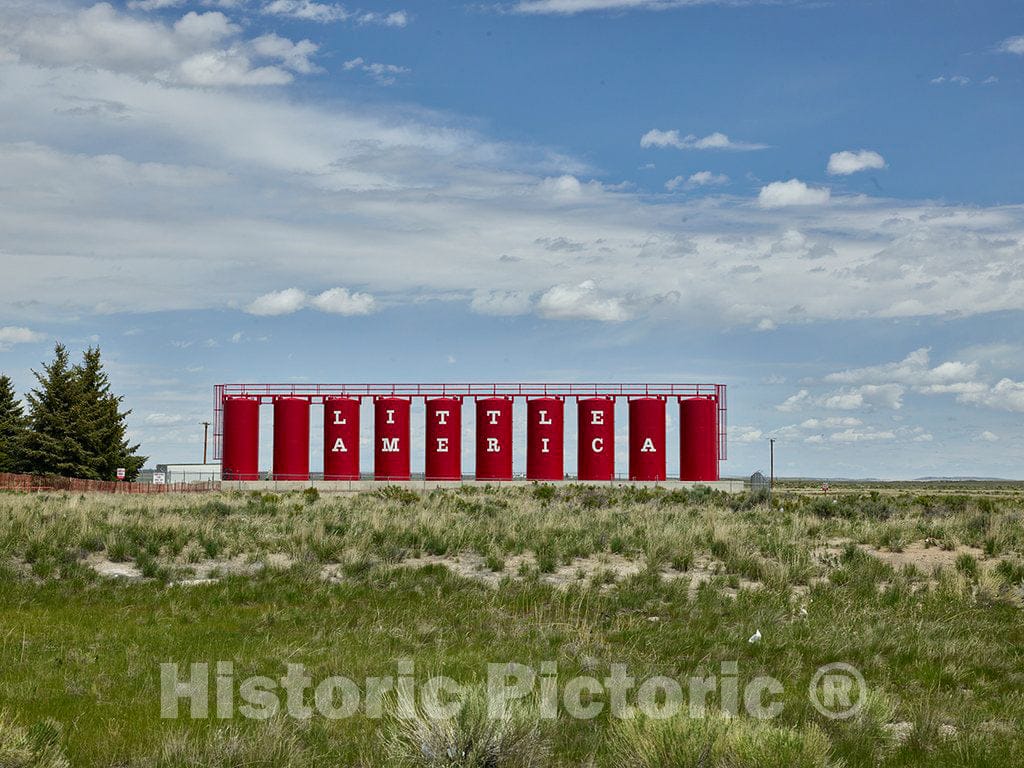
597 444
339 446
648 446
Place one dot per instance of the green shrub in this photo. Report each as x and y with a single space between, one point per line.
470 739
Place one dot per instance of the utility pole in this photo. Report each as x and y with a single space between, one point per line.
206 433
771 477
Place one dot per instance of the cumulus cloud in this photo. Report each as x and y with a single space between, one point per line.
338 301
987 437
583 301
698 179
203 49
335 301
865 396
797 402
283 186
782 194
1005 395
1013 45
11 335
914 370
278 303
846 162
661 139
384 74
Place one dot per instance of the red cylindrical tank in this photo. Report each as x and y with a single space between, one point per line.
595 455
391 438
341 438
291 438
647 438
698 438
494 438
240 459
545 438
444 439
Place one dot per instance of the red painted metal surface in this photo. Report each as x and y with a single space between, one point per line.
595 454
391 438
443 439
545 438
341 438
241 459
698 438
647 438
291 438
317 393
494 438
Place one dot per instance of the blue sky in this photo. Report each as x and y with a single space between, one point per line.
818 204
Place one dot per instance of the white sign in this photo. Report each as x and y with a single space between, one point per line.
121 473
159 478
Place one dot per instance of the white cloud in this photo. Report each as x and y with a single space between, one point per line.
294 56
797 402
339 301
846 162
953 79
745 435
988 437
831 422
307 10
384 74
1012 45
423 205
201 49
278 303
335 301
392 19
914 370
583 301
325 13
782 194
661 139
1005 395
11 335
865 396
698 179
861 435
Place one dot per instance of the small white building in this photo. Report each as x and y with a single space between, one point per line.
190 473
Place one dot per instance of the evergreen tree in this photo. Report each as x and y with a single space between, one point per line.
53 444
101 424
12 428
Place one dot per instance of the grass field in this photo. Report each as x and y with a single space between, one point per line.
919 588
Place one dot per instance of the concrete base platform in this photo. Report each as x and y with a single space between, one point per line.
362 486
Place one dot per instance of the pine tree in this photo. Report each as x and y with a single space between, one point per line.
101 424
12 428
53 444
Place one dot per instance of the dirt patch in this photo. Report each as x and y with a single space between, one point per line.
111 570
925 558
468 565
605 568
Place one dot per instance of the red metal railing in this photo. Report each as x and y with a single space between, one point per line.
316 392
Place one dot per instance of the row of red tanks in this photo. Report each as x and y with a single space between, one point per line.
545 438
